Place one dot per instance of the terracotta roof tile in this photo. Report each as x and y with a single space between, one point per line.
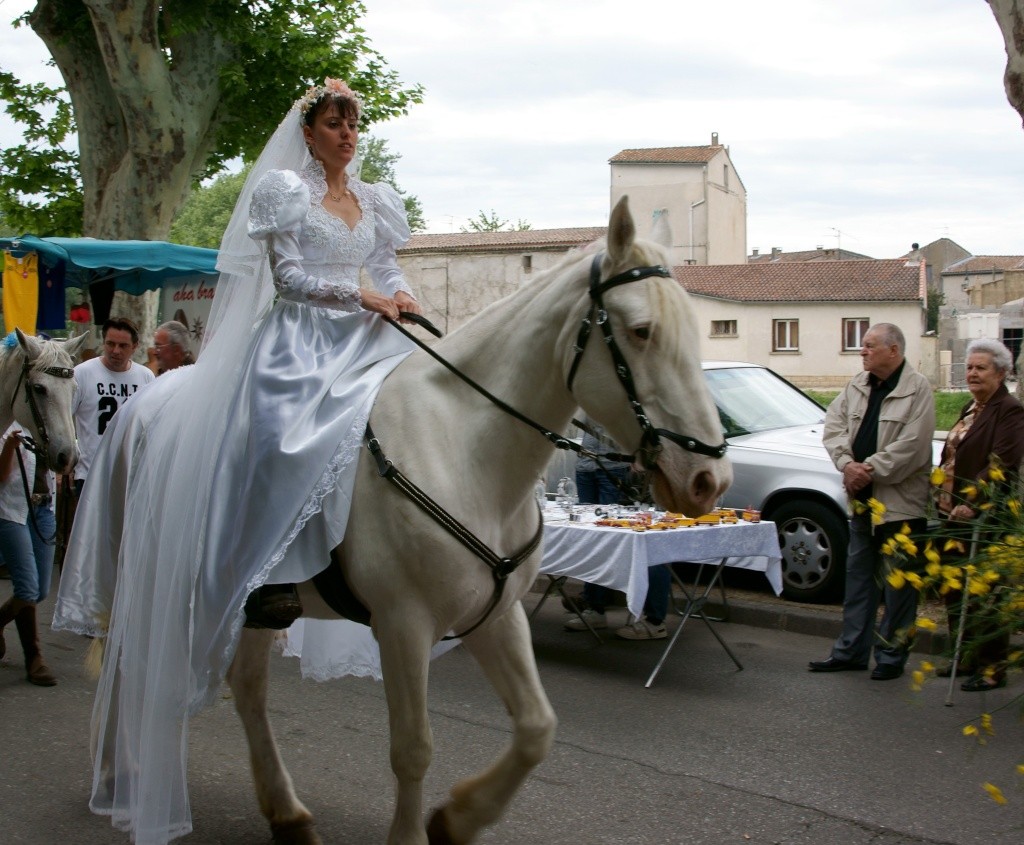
829 254
985 264
667 155
530 239
889 280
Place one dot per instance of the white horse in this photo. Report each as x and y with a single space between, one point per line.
481 465
37 385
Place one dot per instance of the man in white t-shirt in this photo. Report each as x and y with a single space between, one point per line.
104 385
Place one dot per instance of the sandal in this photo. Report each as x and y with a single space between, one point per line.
983 683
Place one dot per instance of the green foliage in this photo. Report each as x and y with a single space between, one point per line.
205 215
948 406
379 166
936 299
485 222
39 177
276 50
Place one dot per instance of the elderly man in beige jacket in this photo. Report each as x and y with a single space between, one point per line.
879 432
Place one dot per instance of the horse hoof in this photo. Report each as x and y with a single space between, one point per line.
297 832
437 829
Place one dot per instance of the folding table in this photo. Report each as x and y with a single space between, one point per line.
619 558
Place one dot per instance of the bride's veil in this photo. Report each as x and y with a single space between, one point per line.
174 608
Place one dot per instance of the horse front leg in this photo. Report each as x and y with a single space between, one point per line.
290 822
505 653
405 642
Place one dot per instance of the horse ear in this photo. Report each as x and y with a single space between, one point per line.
661 232
621 230
30 344
75 345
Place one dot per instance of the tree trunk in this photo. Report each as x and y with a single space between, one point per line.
1010 17
144 123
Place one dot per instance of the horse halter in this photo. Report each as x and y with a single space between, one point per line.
43 448
650 444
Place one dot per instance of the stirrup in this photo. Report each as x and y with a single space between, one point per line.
273 606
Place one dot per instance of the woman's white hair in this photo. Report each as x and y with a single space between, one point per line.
1001 356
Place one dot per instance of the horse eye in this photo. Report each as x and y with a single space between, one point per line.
38 389
642 332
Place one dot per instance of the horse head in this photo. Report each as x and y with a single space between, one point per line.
39 396
641 376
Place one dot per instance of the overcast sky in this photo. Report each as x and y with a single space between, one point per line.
868 124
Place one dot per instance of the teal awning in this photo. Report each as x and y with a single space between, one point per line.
133 266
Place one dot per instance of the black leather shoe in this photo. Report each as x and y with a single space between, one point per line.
273 606
886 672
834 664
983 683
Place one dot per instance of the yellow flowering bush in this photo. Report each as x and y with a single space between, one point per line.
986 567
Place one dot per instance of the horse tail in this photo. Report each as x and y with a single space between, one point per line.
94 658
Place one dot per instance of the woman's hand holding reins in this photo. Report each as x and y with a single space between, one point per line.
408 304
378 303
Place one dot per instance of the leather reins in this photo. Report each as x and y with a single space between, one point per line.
502 567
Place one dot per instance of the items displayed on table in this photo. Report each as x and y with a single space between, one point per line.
647 521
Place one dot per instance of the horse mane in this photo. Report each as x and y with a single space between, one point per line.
52 354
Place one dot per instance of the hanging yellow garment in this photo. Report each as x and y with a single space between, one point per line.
21 292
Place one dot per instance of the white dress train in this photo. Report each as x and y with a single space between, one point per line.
167 544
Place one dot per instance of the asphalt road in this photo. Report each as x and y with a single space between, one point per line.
772 754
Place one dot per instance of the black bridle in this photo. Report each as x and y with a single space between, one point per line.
42 448
650 444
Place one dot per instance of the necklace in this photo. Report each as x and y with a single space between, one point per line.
336 198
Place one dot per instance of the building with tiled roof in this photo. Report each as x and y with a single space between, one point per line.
884 280
806 320
531 239
457 275
984 281
818 254
700 191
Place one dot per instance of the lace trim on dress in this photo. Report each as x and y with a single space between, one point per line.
339 295
314 175
328 480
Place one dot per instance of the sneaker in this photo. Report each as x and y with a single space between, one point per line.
596 620
641 629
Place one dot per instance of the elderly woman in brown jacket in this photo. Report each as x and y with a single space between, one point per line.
990 429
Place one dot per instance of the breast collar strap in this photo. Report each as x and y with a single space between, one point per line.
650 438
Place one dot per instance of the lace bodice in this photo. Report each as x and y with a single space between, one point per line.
316 257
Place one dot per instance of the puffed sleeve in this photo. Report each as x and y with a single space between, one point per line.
279 205
391 228
279 202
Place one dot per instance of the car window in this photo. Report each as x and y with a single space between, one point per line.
752 399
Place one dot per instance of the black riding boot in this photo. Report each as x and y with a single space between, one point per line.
273 606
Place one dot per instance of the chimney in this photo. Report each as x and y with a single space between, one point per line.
775 252
714 139
756 251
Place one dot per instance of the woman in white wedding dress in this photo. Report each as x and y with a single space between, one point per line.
235 472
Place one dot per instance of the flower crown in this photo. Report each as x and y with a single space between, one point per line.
331 87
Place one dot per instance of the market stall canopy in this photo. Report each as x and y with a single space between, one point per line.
132 266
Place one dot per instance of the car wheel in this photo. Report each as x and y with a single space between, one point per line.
813 540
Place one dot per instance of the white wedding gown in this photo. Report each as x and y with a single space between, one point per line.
167 544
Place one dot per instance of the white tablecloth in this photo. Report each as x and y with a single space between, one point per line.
619 558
